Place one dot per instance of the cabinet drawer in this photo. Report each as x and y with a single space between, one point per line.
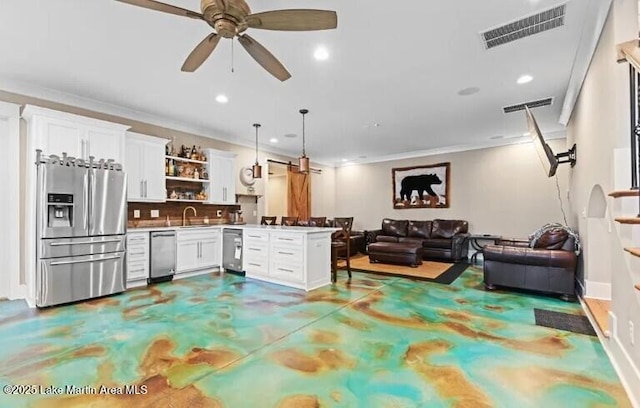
292 256
287 239
256 266
137 252
208 234
286 271
137 238
256 236
256 250
137 270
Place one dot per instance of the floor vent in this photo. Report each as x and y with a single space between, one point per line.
525 27
532 104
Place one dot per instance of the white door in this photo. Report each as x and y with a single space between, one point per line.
187 257
133 168
103 144
210 252
153 162
59 136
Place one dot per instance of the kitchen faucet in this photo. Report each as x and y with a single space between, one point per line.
184 212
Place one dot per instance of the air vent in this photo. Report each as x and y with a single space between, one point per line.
532 104
537 23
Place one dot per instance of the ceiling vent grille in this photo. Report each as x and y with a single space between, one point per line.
525 27
532 104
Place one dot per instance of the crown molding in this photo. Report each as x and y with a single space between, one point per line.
560 134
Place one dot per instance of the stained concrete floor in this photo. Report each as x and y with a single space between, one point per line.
222 341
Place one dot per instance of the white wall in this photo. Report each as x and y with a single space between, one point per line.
277 196
9 204
501 190
600 125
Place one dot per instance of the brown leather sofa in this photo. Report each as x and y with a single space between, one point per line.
549 266
438 239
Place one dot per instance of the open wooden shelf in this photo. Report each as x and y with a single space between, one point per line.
187 179
184 159
628 220
624 193
633 251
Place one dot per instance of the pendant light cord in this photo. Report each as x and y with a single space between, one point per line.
256 125
303 112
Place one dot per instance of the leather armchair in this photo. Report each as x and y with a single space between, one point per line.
547 267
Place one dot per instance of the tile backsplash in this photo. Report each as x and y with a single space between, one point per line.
174 212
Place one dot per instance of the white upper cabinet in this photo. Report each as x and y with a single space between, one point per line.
56 133
144 163
222 169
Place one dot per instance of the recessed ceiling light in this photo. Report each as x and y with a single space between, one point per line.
273 140
290 135
345 160
525 79
469 91
321 54
222 99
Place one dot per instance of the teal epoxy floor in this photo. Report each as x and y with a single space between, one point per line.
223 341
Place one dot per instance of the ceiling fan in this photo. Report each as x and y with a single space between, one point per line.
231 18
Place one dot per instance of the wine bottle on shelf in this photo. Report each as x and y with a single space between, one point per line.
194 153
196 174
167 167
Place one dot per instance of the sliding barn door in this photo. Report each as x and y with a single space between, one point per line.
299 194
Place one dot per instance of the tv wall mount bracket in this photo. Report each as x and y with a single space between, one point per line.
568 157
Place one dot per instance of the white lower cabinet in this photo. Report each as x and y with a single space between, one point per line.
198 249
137 258
297 259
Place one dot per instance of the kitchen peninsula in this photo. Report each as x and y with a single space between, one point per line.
298 257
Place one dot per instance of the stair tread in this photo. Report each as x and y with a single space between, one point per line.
628 220
633 251
600 312
624 193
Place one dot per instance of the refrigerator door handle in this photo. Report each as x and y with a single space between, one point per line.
54 244
89 189
84 261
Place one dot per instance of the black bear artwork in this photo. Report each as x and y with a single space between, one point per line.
420 184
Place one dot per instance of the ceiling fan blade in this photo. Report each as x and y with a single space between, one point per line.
165 8
201 53
294 20
264 58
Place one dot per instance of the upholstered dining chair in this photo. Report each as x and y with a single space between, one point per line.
340 244
268 220
289 221
317 221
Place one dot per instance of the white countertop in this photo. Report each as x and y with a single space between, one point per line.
279 228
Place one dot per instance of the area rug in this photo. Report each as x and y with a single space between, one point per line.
564 321
440 272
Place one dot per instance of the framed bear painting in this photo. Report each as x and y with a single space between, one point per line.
421 186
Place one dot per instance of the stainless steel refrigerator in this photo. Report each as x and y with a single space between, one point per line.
81 221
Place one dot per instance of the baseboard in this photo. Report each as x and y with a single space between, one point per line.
597 290
625 367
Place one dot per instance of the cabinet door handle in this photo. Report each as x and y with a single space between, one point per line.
286 270
82 148
285 253
145 189
87 146
141 188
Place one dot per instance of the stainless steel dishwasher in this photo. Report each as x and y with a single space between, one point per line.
163 256
232 250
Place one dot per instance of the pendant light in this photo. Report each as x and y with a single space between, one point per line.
303 161
257 168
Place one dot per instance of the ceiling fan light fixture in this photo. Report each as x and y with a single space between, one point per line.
257 168
303 161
